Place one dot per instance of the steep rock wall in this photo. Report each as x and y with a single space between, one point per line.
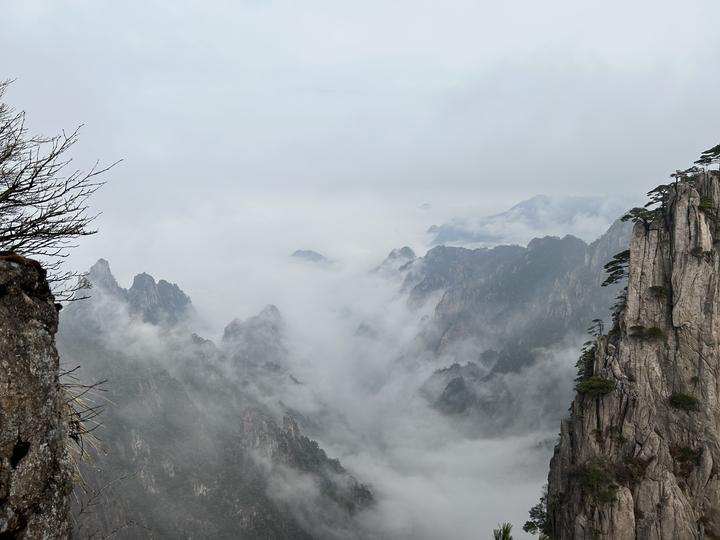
642 461
35 479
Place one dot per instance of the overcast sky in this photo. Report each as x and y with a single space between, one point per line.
251 128
274 124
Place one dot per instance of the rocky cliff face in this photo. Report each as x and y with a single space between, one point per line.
35 478
639 456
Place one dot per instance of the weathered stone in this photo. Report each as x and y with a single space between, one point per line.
657 434
35 478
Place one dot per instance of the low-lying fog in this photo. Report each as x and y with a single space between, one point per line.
431 477
250 129
432 480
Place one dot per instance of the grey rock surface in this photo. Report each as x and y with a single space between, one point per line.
35 477
158 303
640 459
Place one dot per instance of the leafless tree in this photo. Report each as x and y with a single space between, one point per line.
43 200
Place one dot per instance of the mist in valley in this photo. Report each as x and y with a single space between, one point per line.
381 230
356 374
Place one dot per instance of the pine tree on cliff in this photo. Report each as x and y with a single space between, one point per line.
639 455
503 532
710 156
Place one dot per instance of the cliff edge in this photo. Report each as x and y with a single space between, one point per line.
639 455
35 477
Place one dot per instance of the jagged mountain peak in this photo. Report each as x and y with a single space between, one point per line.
269 317
158 302
567 240
143 281
271 313
257 340
404 252
397 259
101 267
100 276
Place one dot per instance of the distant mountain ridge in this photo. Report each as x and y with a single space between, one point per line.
500 315
195 433
157 303
584 217
309 255
498 311
396 260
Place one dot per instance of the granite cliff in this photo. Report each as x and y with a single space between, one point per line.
639 455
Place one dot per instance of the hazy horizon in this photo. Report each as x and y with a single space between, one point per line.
250 129
244 125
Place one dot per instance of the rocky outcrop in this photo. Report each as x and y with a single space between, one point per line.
639 456
288 446
160 303
157 303
257 340
35 478
396 260
100 276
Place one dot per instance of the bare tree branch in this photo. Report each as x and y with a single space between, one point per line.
43 200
